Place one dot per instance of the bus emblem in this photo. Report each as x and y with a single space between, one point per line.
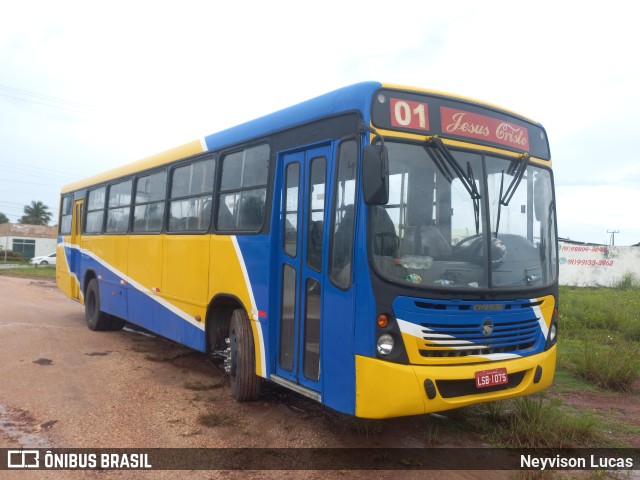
487 327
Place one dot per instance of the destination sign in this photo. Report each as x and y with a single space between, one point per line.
435 115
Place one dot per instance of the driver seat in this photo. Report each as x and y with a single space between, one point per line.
433 243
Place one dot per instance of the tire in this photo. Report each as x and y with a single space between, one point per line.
116 323
96 320
245 384
44 262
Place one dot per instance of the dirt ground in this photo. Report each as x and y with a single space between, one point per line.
62 385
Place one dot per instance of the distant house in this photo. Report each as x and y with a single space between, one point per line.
28 240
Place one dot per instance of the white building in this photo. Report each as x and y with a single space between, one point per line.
28 240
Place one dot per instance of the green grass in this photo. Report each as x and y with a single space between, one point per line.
198 385
30 272
533 422
600 334
214 419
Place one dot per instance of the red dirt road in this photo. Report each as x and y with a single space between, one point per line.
62 385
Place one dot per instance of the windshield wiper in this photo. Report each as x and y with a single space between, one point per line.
517 170
447 162
475 197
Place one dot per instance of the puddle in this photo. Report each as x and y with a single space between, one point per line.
19 427
43 361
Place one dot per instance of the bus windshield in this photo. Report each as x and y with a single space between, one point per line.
435 232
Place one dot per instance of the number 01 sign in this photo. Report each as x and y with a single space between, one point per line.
409 114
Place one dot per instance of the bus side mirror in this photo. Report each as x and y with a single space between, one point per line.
375 175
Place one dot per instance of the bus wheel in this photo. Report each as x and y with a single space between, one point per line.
116 323
96 320
245 384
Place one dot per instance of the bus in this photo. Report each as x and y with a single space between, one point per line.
384 250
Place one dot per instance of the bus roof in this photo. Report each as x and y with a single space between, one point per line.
350 98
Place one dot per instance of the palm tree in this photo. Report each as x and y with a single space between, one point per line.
36 214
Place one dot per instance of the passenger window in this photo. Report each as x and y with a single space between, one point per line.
148 213
291 209
119 207
315 234
95 210
243 190
66 212
191 197
343 215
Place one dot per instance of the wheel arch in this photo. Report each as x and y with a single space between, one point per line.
218 319
88 276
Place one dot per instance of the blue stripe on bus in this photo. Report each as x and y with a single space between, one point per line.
132 304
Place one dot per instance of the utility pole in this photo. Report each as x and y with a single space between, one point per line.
613 236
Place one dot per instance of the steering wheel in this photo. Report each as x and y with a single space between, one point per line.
473 252
470 238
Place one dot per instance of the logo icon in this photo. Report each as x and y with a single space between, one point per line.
487 327
23 459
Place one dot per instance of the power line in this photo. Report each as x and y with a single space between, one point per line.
11 164
70 105
11 180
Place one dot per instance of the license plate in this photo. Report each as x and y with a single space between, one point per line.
489 378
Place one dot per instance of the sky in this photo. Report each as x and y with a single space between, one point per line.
88 86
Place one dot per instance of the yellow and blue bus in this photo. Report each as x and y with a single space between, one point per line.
384 250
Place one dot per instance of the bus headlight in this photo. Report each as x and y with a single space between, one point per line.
553 333
385 344
552 336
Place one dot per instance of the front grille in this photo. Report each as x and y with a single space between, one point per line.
459 388
467 338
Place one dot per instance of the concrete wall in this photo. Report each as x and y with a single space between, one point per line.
597 265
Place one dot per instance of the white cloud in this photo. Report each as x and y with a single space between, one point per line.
145 76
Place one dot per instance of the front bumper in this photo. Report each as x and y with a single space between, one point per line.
386 389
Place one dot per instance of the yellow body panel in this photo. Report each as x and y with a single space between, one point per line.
185 264
226 276
385 389
147 267
65 280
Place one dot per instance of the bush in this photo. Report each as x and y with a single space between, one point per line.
536 422
11 255
613 366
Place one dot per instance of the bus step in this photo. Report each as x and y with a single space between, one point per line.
296 388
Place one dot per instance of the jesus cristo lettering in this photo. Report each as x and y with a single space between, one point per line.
468 124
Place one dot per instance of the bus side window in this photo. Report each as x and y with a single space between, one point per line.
150 193
243 189
343 215
119 207
65 215
95 210
191 192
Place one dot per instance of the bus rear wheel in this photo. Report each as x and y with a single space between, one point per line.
96 320
245 384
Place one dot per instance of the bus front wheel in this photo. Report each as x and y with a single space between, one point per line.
245 384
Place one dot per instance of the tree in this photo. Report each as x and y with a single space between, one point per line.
36 214
3 218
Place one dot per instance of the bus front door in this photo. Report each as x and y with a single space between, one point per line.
302 235
74 257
